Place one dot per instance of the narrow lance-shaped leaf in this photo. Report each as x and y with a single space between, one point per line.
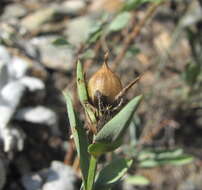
110 136
115 128
120 21
137 180
83 94
112 173
79 136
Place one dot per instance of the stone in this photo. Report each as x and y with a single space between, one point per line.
32 83
18 67
78 29
59 176
4 75
32 182
14 10
12 93
13 138
39 115
4 55
73 7
58 58
36 19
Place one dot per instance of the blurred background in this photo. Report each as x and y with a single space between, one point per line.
40 42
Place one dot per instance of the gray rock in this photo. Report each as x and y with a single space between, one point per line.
4 75
32 182
59 58
59 176
78 29
2 174
193 15
4 55
14 10
36 19
73 7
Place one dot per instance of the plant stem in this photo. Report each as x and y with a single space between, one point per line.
91 173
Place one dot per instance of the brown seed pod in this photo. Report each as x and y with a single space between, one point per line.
104 82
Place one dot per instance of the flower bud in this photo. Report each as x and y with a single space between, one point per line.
105 82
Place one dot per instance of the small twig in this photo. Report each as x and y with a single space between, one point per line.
125 89
135 32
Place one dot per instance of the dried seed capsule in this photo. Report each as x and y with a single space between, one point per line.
105 83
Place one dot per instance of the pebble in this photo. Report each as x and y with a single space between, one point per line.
78 29
32 83
13 139
39 17
57 58
39 115
4 55
18 67
12 93
74 7
14 10
32 182
4 76
59 176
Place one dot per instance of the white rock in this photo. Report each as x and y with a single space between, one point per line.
12 93
13 138
32 182
73 6
39 114
32 83
59 176
6 115
18 67
4 55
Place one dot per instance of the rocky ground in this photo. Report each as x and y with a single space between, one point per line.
39 45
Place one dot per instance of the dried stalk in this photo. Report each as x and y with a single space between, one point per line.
135 32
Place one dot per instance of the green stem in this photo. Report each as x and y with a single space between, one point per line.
91 173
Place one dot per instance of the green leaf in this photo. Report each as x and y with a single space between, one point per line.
95 33
83 94
148 163
133 4
113 172
178 161
151 158
191 73
80 138
89 54
119 22
61 42
116 127
110 136
137 180
165 154
81 85
97 149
